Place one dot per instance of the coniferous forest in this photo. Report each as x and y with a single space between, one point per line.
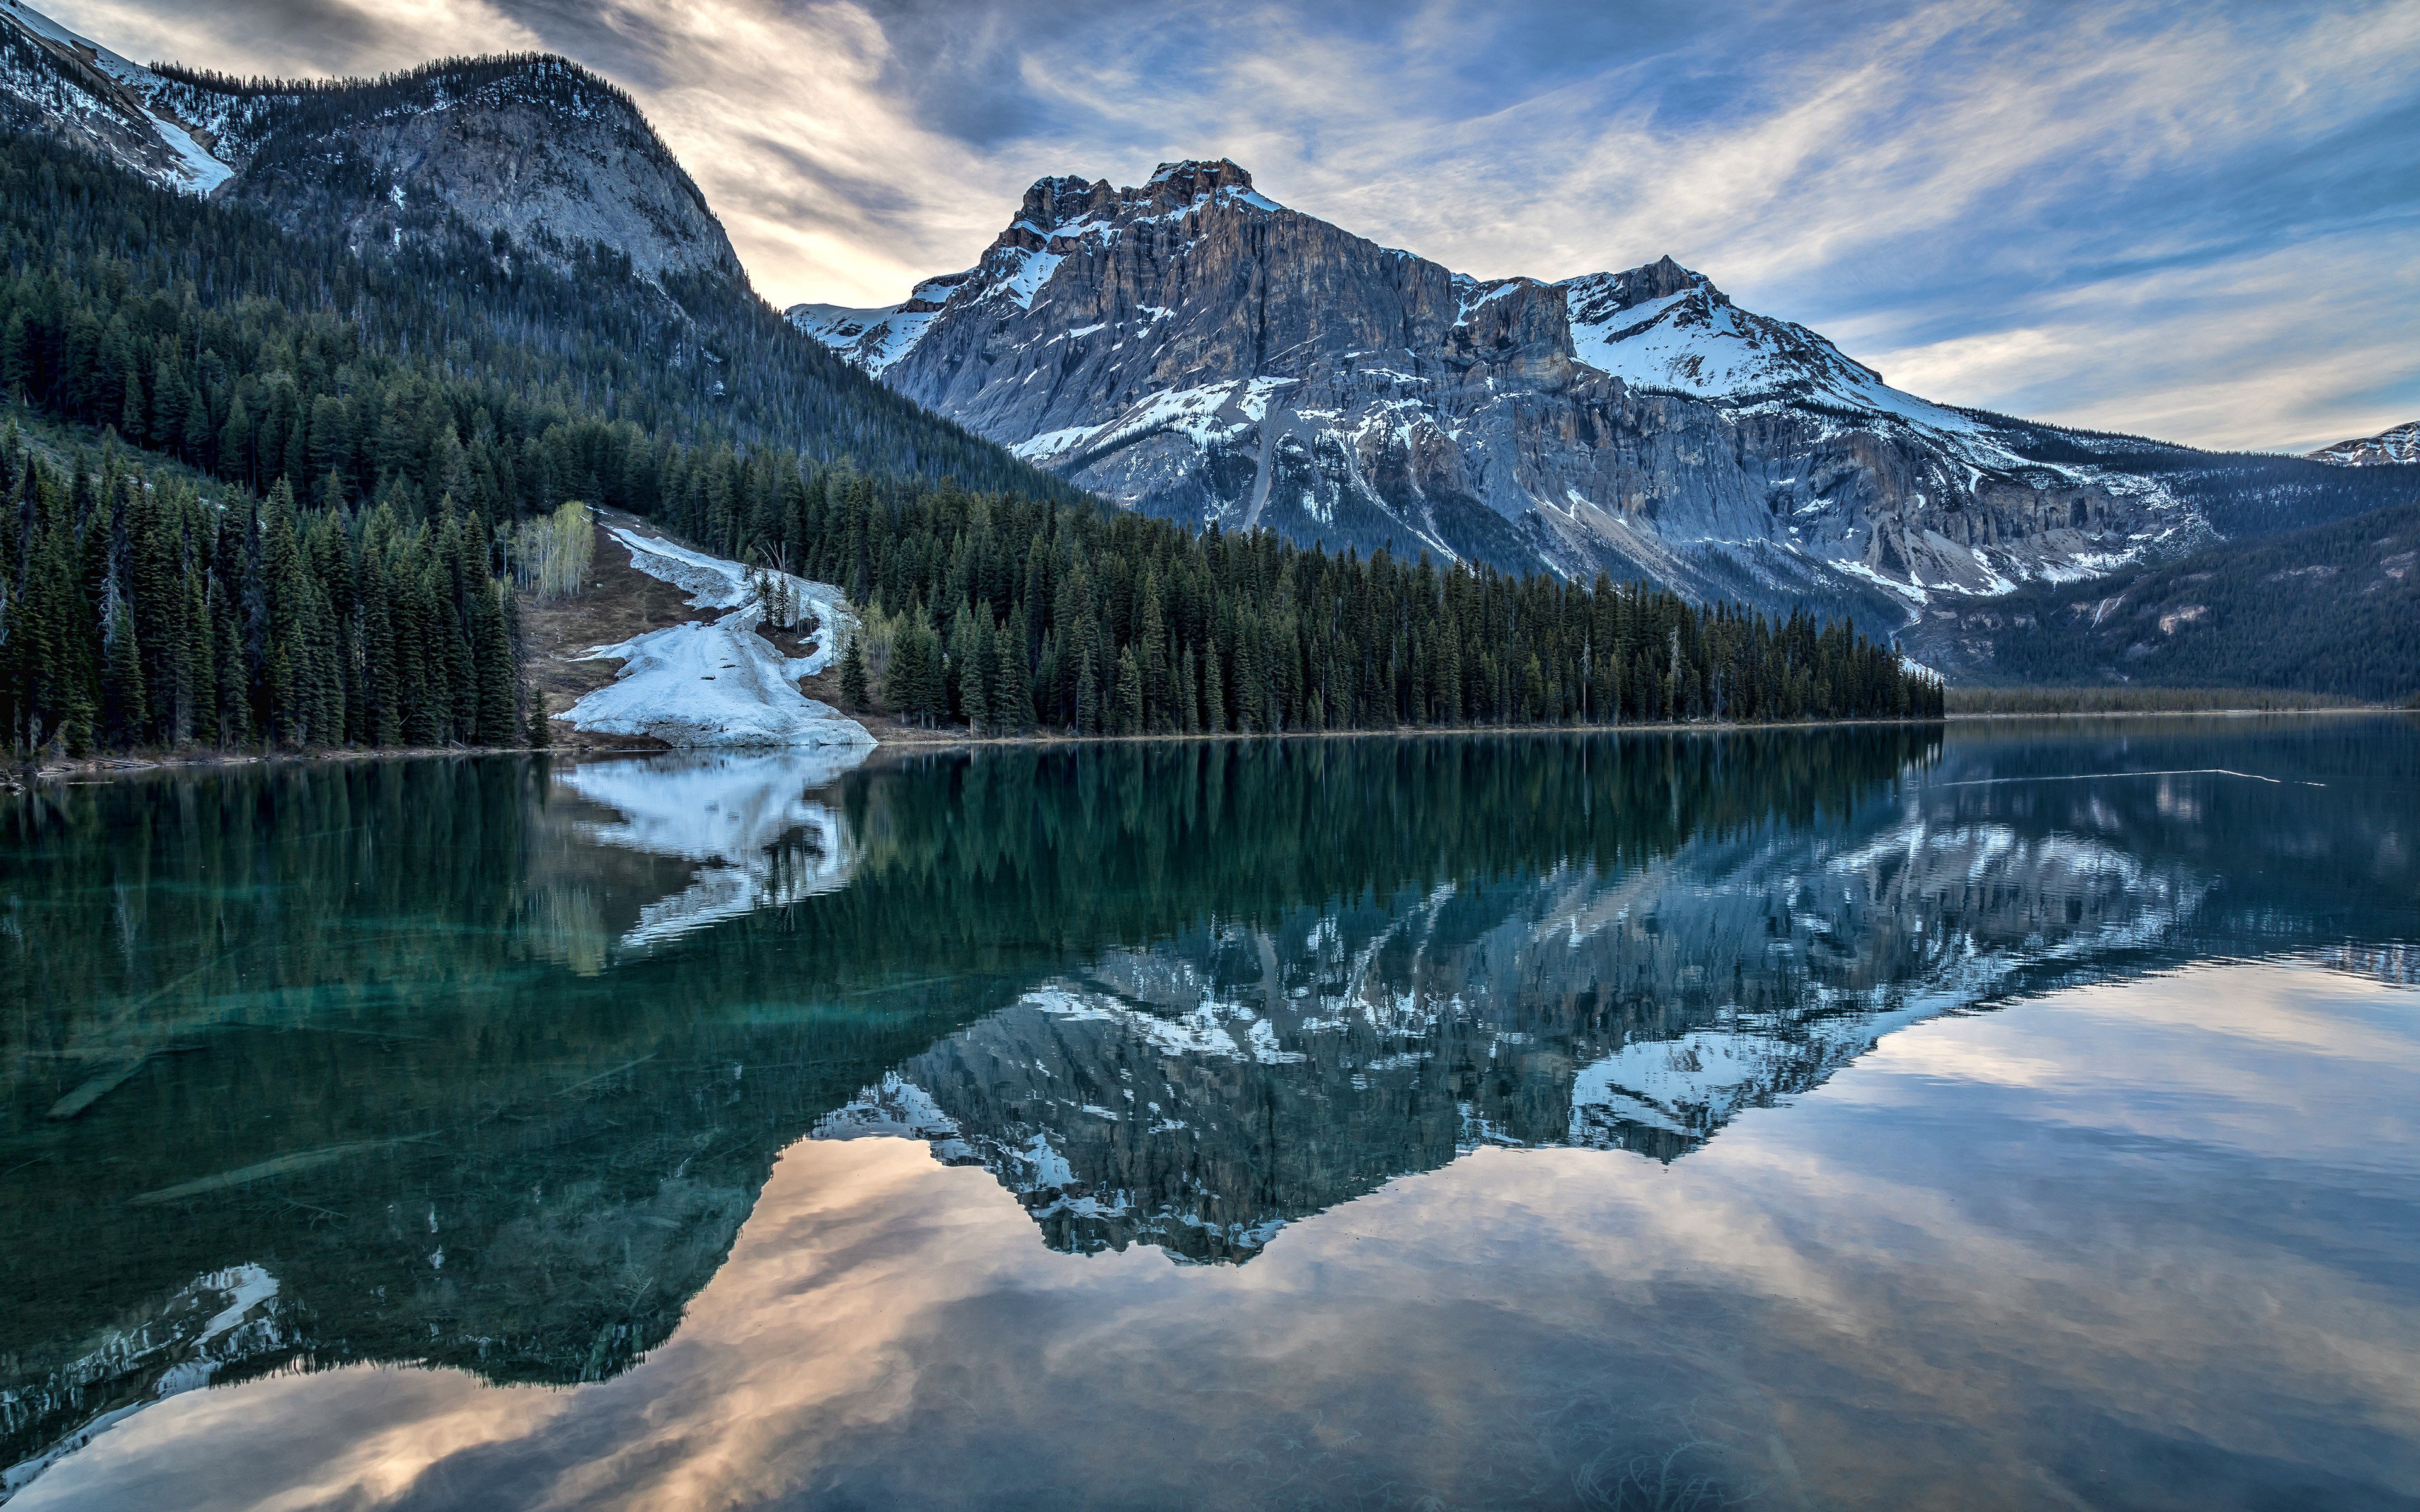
300 536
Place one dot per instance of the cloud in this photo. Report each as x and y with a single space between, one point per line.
2150 1205
295 38
2041 206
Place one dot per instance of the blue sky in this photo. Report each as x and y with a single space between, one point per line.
2197 221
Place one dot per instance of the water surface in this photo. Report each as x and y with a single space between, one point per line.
2019 1116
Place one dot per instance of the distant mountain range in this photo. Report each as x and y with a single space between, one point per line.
2331 609
1191 349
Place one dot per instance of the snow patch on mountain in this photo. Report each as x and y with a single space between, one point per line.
111 91
873 339
1214 412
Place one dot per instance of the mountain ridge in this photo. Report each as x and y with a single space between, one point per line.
1192 348
2397 446
532 145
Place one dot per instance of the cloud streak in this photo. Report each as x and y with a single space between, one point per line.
2189 219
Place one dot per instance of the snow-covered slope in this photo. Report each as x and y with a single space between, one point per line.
2401 444
716 682
53 80
1195 350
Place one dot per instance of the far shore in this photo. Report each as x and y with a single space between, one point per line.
896 739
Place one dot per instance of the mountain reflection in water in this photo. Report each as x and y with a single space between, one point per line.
483 1063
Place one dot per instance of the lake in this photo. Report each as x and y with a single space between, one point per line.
2017 1115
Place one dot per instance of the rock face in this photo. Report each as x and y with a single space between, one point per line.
1195 350
535 148
2401 444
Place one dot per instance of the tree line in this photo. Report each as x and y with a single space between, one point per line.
356 440
135 614
1010 614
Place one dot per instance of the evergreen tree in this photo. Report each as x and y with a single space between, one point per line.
852 675
1129 694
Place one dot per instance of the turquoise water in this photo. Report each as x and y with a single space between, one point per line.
2020 1115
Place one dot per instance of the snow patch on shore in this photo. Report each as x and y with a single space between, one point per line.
716 683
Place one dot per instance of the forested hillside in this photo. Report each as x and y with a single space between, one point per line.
138 615
443 366
2332 608
374 422
1010 612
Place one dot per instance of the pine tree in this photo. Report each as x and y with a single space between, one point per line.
1129 694
1088 695
1013 695
1214 694
852 675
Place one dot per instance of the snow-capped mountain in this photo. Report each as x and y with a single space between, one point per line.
535 148
2401 444
1192 348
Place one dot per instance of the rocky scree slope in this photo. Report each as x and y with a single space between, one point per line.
1193 349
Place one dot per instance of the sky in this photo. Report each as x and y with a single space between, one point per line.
2197 221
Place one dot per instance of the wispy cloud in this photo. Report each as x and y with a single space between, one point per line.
2189 218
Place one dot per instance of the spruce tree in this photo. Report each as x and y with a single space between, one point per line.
1214 694
1129 694
1088 695
852 675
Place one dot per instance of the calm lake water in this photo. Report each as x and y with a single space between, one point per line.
2016 1116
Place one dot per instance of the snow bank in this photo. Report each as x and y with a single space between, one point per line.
716 683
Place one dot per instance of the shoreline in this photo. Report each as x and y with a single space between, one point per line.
21 777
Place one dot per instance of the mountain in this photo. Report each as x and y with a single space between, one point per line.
1192 348
2401 444
517 217
530 146
1189 348
2331 609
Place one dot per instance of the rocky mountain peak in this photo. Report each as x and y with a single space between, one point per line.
1175 184
1660 280
1192 348
1058 201
1069 202
2399 445
530 145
